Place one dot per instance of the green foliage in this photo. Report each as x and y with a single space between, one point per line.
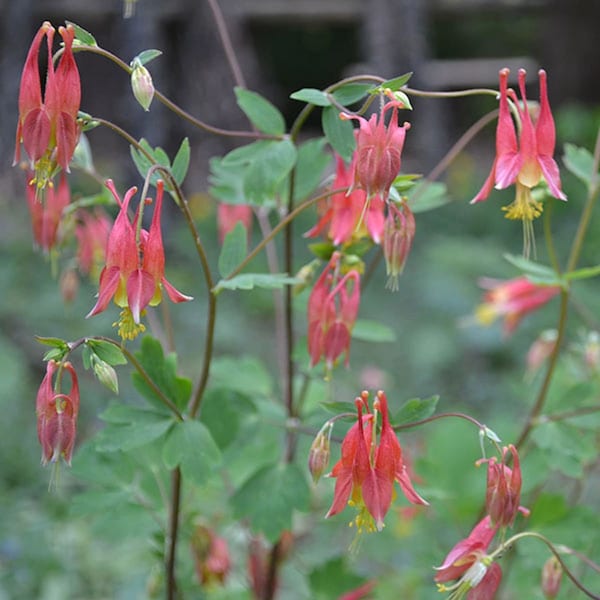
163 372
332 579
269 498
234 249
262 114
415 409
311 96
372 331
83 37
339 133
144 57
426 195
311 164
248 281
191 446
580 162
350 93
536 273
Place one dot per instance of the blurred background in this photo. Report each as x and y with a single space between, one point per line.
283 45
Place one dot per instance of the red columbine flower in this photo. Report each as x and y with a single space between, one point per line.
528 161
211 556
479 576
57 415
228 215
503 491
378 150
48 128
332 311
46 210
512 299
365 474
398 236
92 234
134 271
348 214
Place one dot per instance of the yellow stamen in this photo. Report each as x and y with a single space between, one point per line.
128 328
526 209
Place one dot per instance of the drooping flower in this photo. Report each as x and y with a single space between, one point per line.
478 577
512 299
378 152
47 124
527 161
366 472
57 415
134 274
46 209
398 236
320 451
503 491
92 233
348 214
552 572
332 310
359 593
211 556
228 215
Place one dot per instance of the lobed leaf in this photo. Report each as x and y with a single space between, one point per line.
262 114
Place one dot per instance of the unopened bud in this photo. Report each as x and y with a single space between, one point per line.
551 577
211 556
540 350
142 86
105 373
318 456
398 236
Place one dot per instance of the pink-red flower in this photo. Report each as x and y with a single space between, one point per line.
228 215
365 476
57 415
46 209
378 152
92 233
134 274
479 576
47 124
503 491
211 556
398 237
332 310
348 215
530 159
512 299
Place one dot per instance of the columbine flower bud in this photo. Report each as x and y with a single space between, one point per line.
105 373
551 577
320 451
211 556
142 86
397 240
503 489
540 350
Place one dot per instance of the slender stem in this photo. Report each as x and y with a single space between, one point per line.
568 414
555 552
173 534
271 580
227 45
457 415
552 256
454 94
177 109
281 225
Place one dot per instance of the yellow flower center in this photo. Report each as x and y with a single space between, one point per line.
128 328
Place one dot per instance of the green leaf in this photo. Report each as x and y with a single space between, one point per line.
234 249
222 412
311 96
82 157
107 352
269 498
333 579
580 162
322 250
268 170
351 93
246 375
52 341
372 331
427 195
85 38
396 83
246 154
536 273
311 164
415 410
226 181
163 371
585 273
248 281
181 162
143 58
130 427
339 133
262 114
190 445
56 354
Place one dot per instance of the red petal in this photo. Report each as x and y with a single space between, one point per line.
109 281
140 289
36 133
